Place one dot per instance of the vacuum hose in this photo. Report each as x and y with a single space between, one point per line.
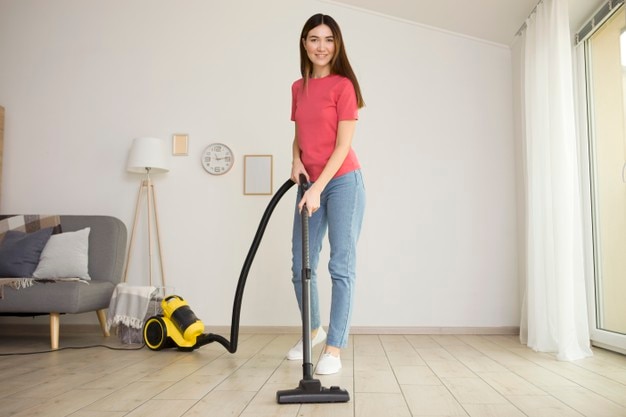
231 345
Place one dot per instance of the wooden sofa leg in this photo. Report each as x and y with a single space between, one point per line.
54 330
102 318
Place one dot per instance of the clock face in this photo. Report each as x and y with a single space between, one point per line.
217 159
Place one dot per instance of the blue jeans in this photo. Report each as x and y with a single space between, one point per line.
342 205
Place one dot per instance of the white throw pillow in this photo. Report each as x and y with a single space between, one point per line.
65 256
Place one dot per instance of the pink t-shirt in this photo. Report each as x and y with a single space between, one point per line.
317 110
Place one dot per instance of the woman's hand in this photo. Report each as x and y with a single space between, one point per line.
312 200
297 168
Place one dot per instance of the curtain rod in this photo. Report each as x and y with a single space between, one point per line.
532 12
597 18
600 16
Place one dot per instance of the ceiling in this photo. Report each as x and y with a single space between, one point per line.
492 20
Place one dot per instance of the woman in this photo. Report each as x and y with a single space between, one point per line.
325 103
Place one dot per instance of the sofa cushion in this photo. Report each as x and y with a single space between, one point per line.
66 255
19 252
59 296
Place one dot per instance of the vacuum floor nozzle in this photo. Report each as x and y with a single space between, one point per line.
311 391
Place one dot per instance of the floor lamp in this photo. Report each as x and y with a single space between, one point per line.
147 156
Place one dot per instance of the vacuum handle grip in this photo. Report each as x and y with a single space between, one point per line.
303 182
304 186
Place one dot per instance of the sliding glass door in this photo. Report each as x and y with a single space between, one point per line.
606 87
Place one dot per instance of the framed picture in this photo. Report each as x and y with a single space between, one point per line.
258 174
180 144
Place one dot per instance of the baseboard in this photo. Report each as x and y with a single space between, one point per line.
225 330
390 330
436 330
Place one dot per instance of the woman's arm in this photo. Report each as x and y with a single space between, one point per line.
345 132
297 167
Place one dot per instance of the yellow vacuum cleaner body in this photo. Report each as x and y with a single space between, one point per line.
177 326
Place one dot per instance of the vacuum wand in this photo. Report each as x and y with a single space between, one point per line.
310 390
307 346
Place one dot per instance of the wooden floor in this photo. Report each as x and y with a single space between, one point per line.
386 375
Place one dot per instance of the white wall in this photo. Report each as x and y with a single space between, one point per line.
79 79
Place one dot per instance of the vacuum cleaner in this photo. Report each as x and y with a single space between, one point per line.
179 327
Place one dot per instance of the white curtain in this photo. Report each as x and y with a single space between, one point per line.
554 313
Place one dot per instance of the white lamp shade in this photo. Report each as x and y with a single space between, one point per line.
148 153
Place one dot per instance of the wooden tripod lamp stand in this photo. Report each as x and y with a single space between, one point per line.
147 156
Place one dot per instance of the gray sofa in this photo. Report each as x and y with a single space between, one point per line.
107 246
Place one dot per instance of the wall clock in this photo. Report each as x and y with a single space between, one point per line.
217 159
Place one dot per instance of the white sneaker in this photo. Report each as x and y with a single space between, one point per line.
296 352
328 365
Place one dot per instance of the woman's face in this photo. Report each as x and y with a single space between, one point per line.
320 48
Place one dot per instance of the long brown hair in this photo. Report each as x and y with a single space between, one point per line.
339 64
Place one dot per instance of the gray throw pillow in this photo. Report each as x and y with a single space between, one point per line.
19 252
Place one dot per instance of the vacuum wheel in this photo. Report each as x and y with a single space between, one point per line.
155 333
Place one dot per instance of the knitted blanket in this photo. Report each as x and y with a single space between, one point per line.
29 223
16 283
129 305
